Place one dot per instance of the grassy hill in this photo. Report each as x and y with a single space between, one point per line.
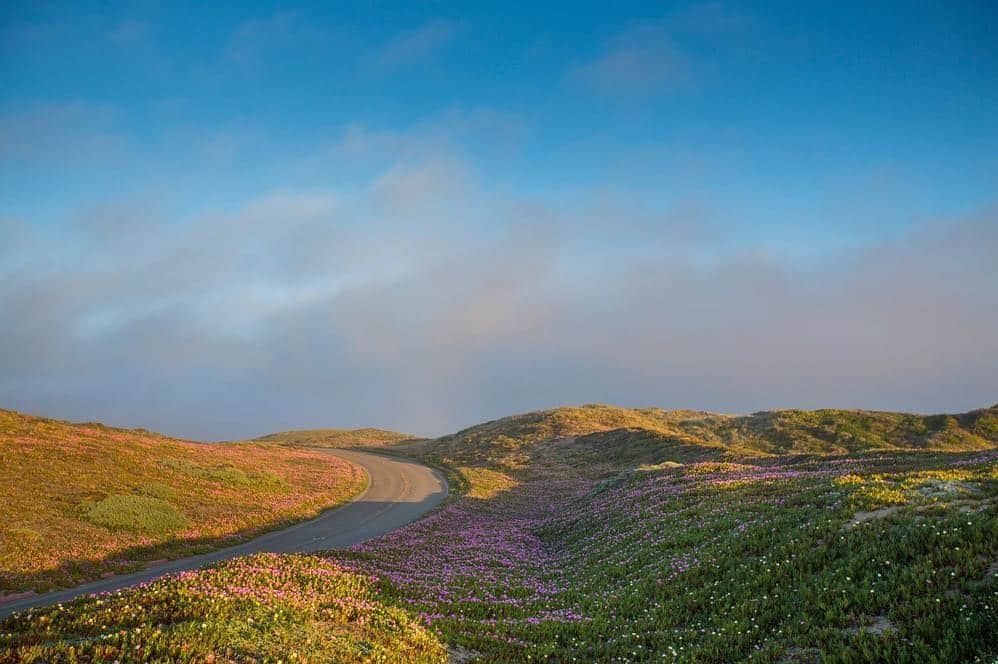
335 438
512 441
845 431
84 500
609 534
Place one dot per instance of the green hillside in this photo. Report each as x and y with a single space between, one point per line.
603 534
335 438
653 433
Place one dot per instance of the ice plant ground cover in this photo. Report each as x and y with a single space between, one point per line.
264 607
603 535
760 560
80 501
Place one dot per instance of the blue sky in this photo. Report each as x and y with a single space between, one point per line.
228 220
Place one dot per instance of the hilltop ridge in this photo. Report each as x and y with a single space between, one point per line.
508 440
366 437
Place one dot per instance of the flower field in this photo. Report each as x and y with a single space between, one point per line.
591 542
81 501
712 562
264 607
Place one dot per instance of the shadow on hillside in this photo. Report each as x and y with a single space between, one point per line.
124 561
353 522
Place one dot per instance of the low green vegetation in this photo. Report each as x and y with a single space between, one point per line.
263 608
142 514
158 490
619 535
842 431
336 438
614 535
633 433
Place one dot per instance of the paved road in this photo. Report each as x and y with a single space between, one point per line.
400 491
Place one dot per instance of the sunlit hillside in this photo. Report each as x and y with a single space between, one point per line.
366 437
653 434
608 534
81 501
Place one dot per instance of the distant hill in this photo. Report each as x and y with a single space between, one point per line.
651 433
842 431
81 500
336 438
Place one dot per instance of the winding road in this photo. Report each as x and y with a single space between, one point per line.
400 491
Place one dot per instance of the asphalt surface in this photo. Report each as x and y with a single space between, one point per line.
400 491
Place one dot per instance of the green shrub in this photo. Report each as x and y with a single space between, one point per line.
223 474
157 490
137 513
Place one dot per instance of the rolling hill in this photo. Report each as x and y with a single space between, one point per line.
366 437
608 534
652 433
84 500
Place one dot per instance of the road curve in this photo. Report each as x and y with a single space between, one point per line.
400 490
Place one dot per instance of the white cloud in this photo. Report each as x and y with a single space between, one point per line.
422 299
294 205
417 46
252 41
64 132
437 180
655 56
639 62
